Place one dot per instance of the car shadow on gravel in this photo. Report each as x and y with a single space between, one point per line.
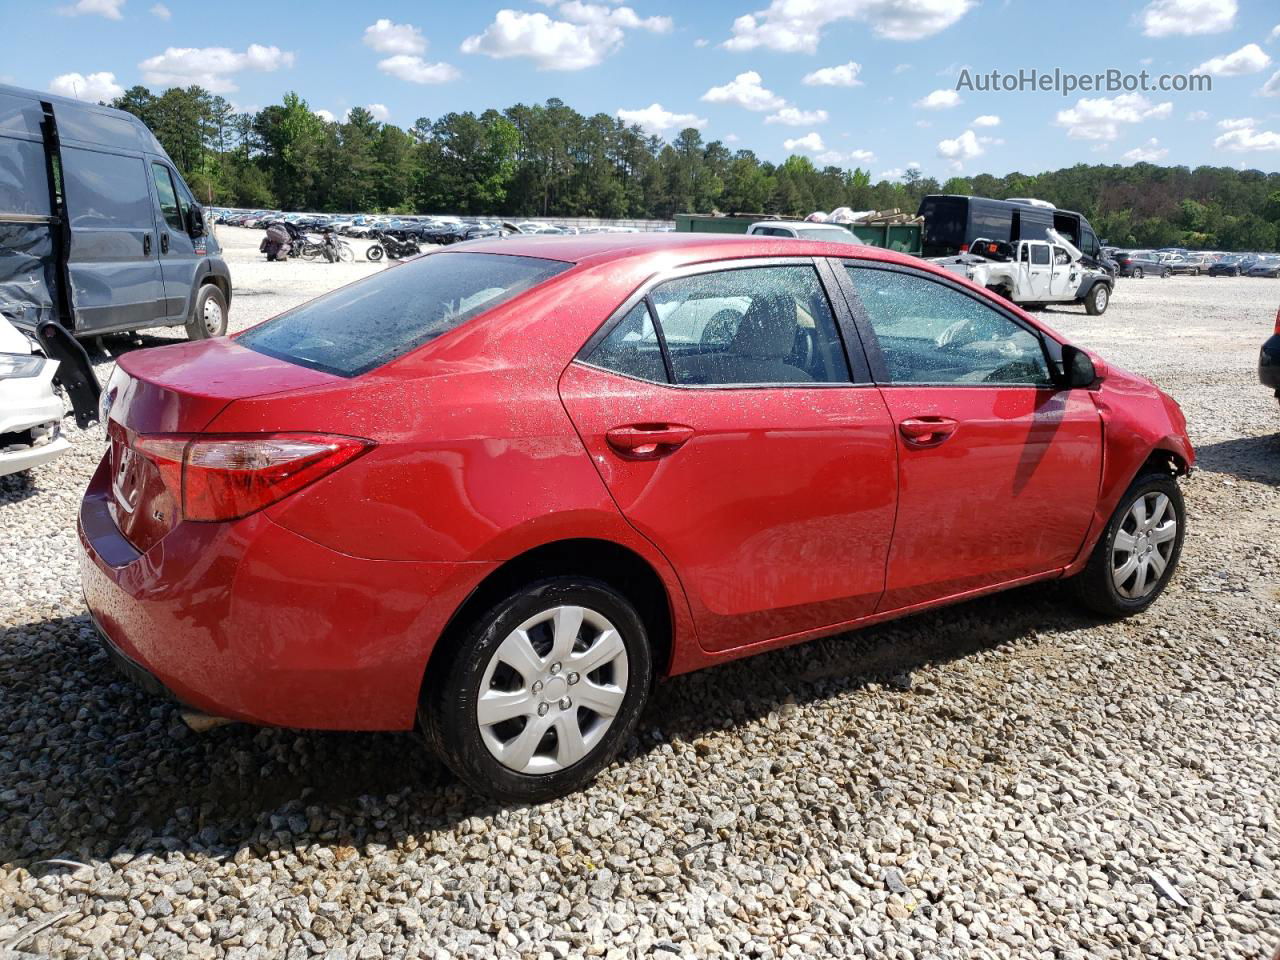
90 767
16 487
1245 458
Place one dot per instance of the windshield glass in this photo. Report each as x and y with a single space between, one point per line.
356 328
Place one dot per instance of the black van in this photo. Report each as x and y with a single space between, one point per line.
97 229
952 222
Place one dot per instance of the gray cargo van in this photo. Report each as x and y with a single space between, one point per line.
97 228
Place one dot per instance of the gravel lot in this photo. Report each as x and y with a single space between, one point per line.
1007 778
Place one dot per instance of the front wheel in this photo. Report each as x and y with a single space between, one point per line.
541 691
374 253
1138 551
1137 273
345 253
1166 274
208 314
1095 302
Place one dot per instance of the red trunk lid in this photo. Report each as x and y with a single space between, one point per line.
177 389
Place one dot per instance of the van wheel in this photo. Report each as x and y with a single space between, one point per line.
541 691
1096 300
1138 551
208 314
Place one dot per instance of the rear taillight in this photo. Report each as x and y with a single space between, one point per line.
228 476
1277 329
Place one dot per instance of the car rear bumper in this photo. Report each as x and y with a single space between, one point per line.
250 621
1269 363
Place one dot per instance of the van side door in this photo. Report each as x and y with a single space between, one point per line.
179 259
114 262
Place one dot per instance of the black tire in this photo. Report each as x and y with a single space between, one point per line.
1137 273
449 701
205 321
1166 274
1095 585
374 253
1096 300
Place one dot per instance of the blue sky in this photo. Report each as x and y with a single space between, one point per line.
867 83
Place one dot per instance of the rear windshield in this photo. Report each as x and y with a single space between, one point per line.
369 323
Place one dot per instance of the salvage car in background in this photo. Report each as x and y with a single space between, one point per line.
1141 263
1269 360
1265 267
31 409
723 445
1228 266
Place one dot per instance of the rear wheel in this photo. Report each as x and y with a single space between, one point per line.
208 314
541 691
1138 551
1137 273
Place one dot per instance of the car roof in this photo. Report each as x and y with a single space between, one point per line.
592 249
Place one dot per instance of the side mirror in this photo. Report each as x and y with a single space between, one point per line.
195 221
1079 369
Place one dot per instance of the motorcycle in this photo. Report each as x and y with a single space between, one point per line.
392 246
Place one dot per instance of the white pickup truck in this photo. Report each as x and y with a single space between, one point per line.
1034 272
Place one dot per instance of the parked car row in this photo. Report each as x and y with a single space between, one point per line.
1168 263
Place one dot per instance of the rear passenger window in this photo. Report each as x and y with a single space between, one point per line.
632 348
106 190
758 325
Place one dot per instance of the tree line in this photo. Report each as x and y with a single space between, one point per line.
550 160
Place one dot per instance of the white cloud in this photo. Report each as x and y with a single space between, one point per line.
845 75
102 8
1100 118
1250 58
1243 137
835 158
795 26
897 173
1167 18
964 147
160 11
924 124
940 100
731 138
810 143
94 87
211 67
986 120
655 118
1237 123
598 14
746 91
325 115
413 69
589 33
794 117
1149 152
1198 115
1272 87
901 68
701 42
1275 33
394 38
379 111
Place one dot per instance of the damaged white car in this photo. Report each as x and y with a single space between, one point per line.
31 408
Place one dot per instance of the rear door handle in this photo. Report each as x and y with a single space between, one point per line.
927 431
164 243
648 441
146 244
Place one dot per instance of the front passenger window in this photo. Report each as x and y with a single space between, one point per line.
167 196
929 332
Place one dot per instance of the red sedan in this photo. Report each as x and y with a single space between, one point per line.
499 490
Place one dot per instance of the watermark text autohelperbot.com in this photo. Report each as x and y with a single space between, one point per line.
1067 83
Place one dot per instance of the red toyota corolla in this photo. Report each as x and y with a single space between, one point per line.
500 489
